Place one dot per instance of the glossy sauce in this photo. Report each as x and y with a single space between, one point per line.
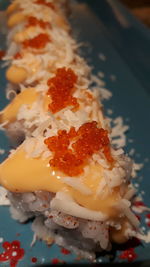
15 19
24 34
20 173
16 74
9 113
11 8
118 236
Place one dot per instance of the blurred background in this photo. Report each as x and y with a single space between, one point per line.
140 8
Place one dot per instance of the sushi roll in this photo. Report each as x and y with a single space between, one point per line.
65 174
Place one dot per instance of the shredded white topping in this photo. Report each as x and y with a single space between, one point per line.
118 132
77 184
64 203
124 206
144 237
4 201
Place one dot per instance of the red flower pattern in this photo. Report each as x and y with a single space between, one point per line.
65 251
128 254
13 252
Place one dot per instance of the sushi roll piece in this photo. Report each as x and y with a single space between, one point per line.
76 187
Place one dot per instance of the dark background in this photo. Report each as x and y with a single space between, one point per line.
140 8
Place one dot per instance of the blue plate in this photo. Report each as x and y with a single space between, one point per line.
117 45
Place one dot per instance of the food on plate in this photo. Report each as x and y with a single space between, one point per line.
65 173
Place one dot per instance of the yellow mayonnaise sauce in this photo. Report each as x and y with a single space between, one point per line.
20 173
15 19
118 236
11 8
24 34
28 97
16 74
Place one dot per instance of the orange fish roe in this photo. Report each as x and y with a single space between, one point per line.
73 149
17 56
44 3
61 88
37 42
2 54
32 21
